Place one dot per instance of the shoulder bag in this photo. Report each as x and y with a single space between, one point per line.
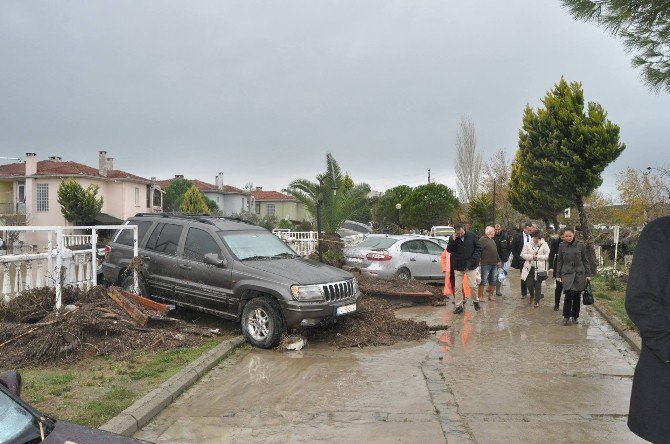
540 275
587 296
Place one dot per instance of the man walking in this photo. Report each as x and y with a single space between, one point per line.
520 241
502 243
465 251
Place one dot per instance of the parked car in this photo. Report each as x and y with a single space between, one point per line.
443 231
232 269
21 423
403 256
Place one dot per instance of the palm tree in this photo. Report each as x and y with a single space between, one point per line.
341 198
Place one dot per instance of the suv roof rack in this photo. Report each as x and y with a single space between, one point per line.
204 218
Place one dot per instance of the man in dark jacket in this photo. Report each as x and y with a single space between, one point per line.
648 306
465 252
519 241
502 242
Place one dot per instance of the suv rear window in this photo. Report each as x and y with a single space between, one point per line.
377 242
165 238
125 237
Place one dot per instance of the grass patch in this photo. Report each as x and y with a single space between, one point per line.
96 389
611 297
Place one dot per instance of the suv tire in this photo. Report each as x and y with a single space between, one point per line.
262 322
128 282
403 273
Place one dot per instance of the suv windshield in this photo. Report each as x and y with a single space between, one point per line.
16 424
377 243
256 245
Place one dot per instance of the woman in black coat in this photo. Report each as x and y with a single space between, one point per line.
572 271
648 306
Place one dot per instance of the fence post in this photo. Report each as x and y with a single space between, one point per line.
59 264
94 257
6 282
50 265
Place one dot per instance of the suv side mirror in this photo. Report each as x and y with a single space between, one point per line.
214 259
12 380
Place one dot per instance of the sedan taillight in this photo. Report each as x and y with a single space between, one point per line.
379 256
108 249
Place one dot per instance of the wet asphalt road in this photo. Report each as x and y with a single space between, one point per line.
509 373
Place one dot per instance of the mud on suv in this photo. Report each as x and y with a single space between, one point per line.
231 269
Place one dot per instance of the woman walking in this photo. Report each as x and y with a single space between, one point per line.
535 253
490 262
553 250
572 270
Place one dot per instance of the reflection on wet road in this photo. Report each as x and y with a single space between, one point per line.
508 373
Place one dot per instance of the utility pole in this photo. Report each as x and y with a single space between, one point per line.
429 176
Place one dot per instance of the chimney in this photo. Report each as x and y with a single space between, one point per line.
55 158
102 163
218 180
259 188
178 176
31 164
110 163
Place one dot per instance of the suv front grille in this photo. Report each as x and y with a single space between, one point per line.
338 290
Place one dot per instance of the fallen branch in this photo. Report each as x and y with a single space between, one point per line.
19 336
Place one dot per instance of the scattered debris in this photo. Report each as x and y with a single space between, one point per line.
292 342
31 332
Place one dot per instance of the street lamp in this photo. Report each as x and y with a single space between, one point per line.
398 207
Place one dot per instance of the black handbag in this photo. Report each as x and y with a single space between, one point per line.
587 296
541 275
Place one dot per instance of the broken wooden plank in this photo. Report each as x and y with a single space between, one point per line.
128 306
148 303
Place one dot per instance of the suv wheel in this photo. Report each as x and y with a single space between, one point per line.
128 284
404 274
262 322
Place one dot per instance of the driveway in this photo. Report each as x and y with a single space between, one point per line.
509 373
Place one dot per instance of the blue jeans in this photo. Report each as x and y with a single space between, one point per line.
489 274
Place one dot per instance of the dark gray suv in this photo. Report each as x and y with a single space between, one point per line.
233 269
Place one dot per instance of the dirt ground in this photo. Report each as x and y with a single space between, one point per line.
31 332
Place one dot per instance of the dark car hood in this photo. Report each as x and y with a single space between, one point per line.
66 431
299 270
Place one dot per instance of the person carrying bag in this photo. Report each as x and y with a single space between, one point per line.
534 272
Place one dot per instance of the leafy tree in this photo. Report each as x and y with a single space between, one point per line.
480 212
174 194
78 205
385 211
644 27
193 202
212 207
341 198
564 149
428 205
644 195
268 222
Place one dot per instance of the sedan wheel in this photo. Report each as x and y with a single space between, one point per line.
404 274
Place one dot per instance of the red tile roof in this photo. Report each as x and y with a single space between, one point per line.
64 168
202 186
270 196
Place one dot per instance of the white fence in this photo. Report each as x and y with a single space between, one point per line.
59 266
303 242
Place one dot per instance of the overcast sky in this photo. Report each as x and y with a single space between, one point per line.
261 90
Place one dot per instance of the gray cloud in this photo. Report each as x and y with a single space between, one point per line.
262 90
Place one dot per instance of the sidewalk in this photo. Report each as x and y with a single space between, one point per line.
509 373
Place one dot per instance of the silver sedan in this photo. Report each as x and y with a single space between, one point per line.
406 257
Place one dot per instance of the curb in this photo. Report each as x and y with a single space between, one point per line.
630 336
144 409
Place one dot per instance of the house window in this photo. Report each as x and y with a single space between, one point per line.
42 197
271 209
158 198
137 197
22 192
258 208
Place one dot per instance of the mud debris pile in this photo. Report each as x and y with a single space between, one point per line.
91 323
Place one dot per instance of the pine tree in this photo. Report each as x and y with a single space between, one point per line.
563 150
644 27
194 202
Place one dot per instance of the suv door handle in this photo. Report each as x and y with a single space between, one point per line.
146 258
185 267
412 260
434 260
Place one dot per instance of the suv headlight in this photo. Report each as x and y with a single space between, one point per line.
307 292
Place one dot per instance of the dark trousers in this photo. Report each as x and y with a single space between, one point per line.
524 288
534 285
571 304
557 293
